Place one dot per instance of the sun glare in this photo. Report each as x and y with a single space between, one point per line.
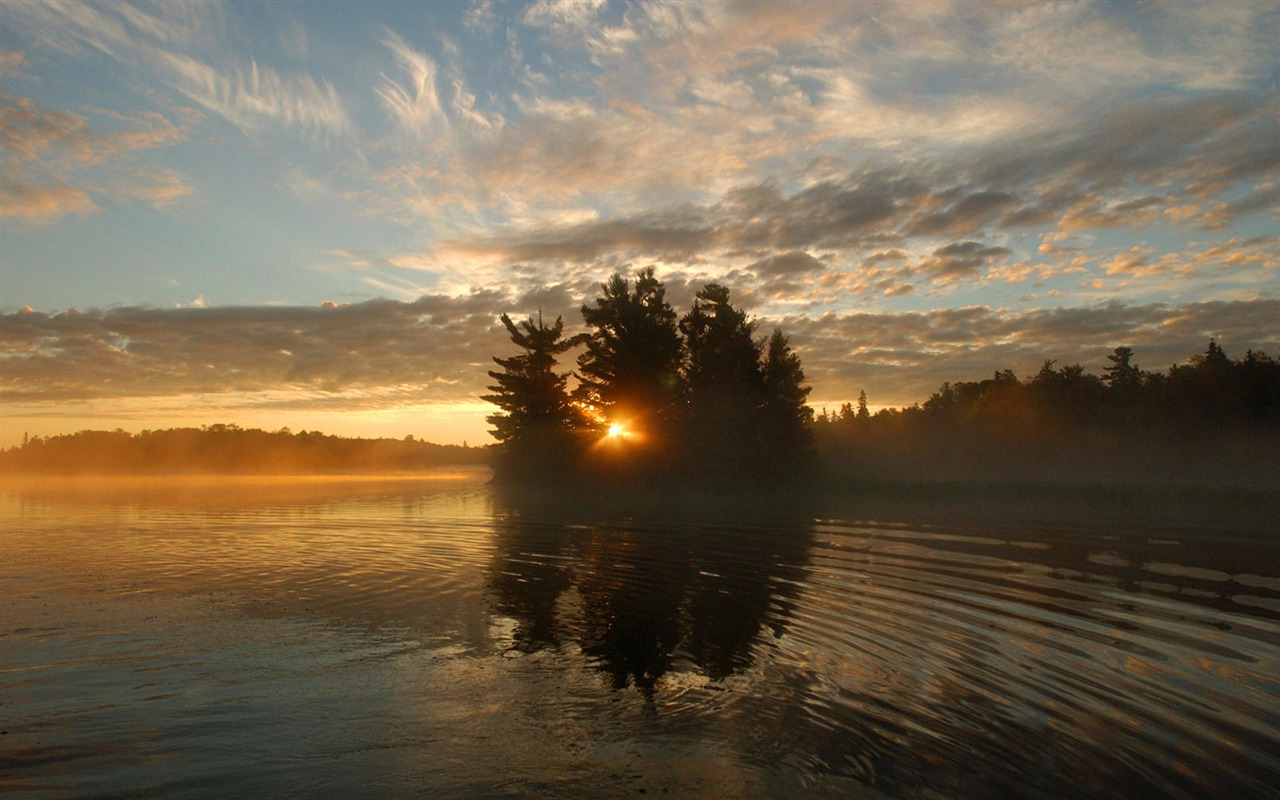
615 430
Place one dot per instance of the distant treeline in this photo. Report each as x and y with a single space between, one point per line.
229 449
1211 421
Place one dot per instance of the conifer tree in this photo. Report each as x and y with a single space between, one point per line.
724 387
1122 375
722 360
630 367
536 417
787 418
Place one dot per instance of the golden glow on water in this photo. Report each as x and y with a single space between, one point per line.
396 633
223 489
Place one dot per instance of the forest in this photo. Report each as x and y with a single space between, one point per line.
229 449
1211 421
701 401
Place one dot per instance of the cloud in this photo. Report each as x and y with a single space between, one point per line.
12 64
852 212
815 157
1132 213
1263 199
900 358
669 232
436 349
1209 139
790 262
71 27
1077 179
563 15
1085 48
692 131
31 132
158 40
438 344
415 105
40 205
252 97
959 260
965 216
55 160
1235 253
27 130
1135 262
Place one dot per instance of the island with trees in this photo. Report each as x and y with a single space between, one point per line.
701 402
707 403
659 401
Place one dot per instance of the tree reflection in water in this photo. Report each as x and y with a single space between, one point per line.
640 594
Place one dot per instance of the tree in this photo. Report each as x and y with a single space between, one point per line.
1259 384
631 364
695 400
788 438
537 416
1215 359
1122 376
722 358
723 384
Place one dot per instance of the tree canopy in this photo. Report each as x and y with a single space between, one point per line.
229 449
701 400
658 399
632 359
536 417
1210 420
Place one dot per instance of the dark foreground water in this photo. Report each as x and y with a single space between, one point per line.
423 638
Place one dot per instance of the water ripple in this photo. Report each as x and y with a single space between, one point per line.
372 642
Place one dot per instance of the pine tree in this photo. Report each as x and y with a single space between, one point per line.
788 446
720 354
536 417
724 387
1122 376
630 367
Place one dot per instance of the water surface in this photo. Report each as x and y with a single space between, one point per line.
384 638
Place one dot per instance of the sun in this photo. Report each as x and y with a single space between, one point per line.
615 430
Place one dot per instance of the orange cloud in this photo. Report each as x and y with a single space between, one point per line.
40 205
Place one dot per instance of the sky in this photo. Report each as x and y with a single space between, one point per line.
311 215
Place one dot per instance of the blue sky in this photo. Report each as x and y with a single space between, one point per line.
311 214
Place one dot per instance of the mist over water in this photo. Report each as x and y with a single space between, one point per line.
380 638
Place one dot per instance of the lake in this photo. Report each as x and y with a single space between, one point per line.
382 638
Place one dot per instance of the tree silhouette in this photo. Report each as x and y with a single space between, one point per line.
693 402
724 386
1259 384
787 418
722 358
631 363
1208 421
228 448
537 418
1122 376
1215 359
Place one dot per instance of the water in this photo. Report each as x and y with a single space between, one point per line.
388 638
